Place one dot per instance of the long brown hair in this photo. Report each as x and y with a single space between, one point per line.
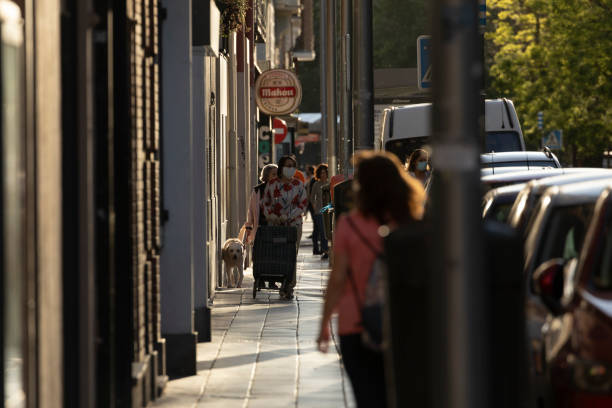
384 190
414 157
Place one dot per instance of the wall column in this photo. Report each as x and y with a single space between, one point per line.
201 91
177 255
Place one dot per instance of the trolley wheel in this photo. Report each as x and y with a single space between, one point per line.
255 288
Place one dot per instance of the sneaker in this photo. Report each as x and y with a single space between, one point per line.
316 252
325 256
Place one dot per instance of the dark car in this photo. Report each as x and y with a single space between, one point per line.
557 231
578 331
522 209
513 175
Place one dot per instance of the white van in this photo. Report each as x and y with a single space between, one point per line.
405 128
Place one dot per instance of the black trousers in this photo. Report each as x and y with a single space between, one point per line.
365 369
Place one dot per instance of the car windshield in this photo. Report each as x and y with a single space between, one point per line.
564 232
499 211
503 142
402 148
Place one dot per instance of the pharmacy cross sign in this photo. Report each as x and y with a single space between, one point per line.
278 92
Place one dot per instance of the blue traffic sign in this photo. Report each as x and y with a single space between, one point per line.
540 120
424 61
482 14
553 140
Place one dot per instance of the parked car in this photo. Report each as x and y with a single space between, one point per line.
408 127
557 232
497 202
578 331
522 208
529 160
505 178
498 171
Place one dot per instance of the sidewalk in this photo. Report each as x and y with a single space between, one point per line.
263 351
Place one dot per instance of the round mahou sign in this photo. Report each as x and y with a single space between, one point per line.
278 92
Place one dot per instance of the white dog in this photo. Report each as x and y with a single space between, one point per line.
233 258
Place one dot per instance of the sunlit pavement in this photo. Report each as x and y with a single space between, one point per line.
263 351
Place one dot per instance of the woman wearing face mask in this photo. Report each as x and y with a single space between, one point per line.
284 202
418 166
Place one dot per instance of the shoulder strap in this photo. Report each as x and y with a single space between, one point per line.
362 237
350 274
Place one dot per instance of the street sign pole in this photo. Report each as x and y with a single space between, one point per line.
458 292
363 75
346 117
322 71
330 85
482 25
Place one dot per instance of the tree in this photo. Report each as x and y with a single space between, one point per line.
396 26
555 57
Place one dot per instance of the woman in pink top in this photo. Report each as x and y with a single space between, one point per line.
385 196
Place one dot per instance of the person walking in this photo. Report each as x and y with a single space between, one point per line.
268 172
310 180
284 202
318 199
385 197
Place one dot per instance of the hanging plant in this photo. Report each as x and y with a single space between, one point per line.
233 13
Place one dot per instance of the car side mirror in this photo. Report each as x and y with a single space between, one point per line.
547 283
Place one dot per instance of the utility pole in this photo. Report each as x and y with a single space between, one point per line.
482 25
345 142
331 123
322 75
363 77
459 306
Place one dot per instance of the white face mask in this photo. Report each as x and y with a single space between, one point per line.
288 172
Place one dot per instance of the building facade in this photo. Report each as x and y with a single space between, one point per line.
130 146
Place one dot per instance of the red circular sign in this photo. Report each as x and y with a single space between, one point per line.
278 92
280 130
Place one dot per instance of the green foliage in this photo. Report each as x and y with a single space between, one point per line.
233 13
396 26
555 57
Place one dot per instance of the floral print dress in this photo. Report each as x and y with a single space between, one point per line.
285 201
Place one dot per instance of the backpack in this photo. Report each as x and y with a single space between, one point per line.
374 300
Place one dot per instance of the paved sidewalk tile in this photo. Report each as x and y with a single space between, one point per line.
263 351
